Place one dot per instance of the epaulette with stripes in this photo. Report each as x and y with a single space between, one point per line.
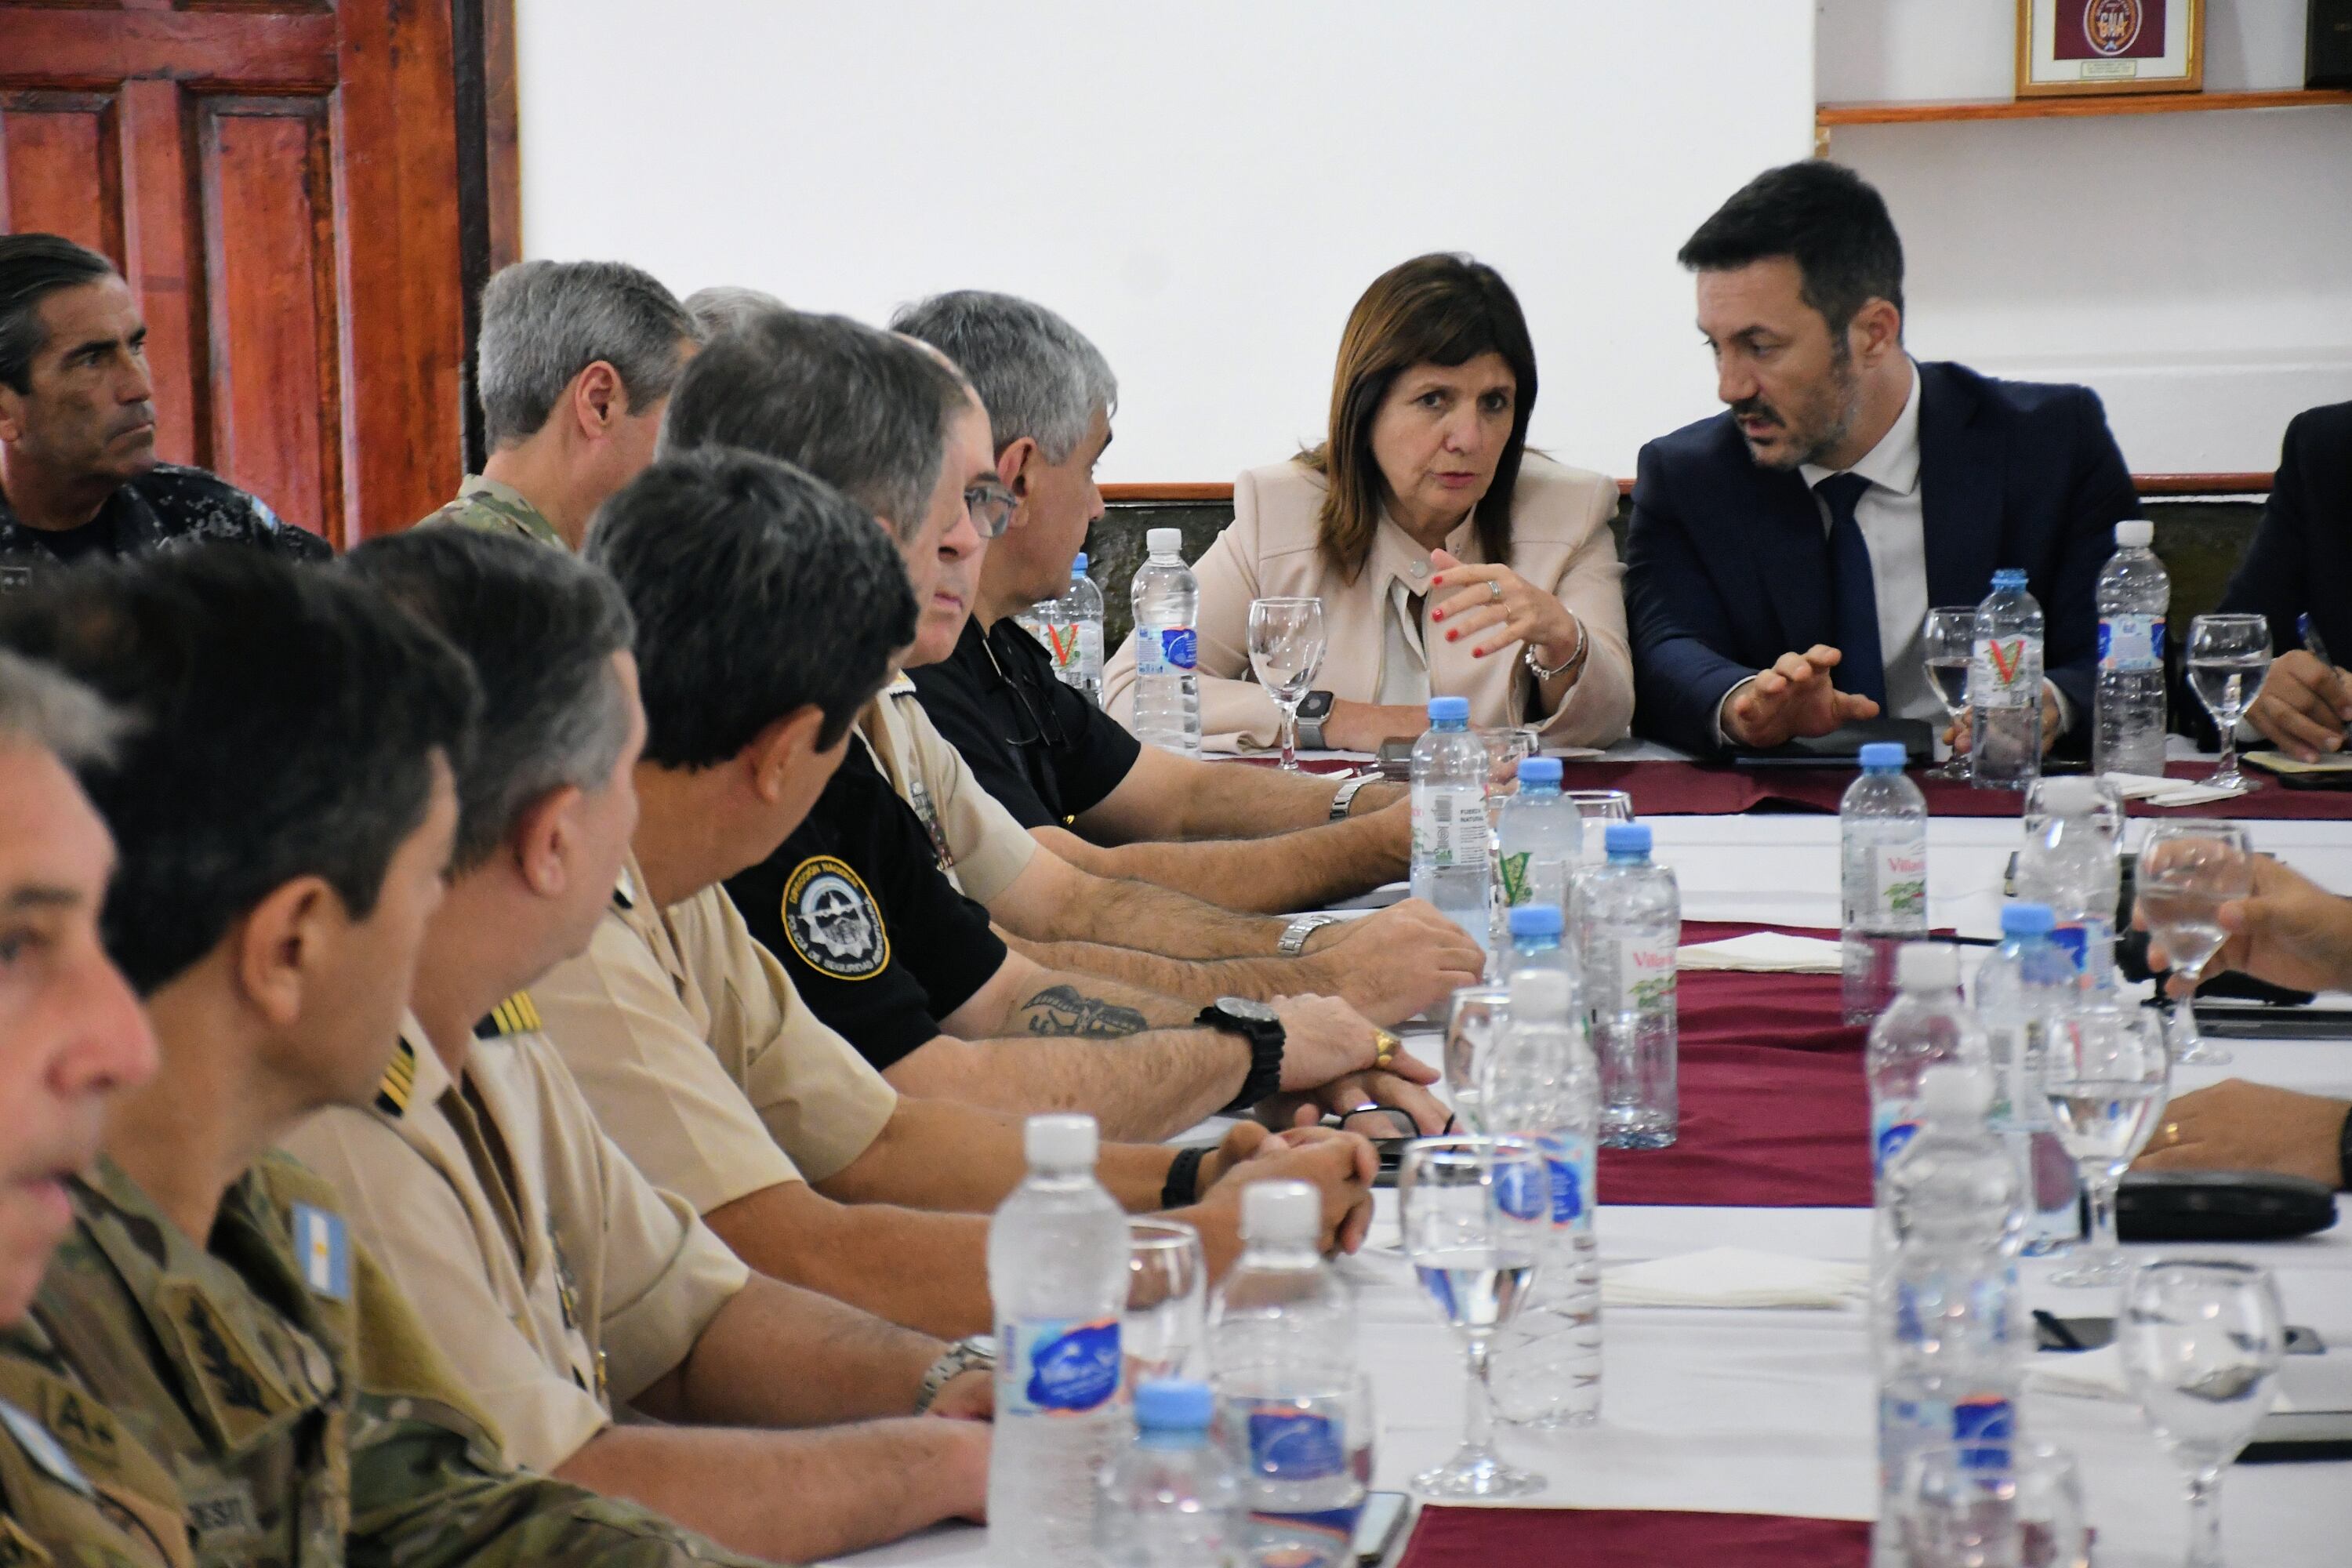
399 1078
515 1015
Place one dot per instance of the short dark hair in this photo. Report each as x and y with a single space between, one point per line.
284 721
32 268
863 410
758 590
540 627
1828 219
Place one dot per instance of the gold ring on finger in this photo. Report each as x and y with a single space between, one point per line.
1389 1045
2172 1132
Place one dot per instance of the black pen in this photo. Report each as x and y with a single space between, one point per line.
2311 641
2055 1327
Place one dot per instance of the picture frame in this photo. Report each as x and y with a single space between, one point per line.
2088 47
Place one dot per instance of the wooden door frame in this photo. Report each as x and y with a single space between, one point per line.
490 173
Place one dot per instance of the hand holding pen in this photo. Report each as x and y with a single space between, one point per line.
2307 701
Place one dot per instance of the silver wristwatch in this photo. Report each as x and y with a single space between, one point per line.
1345 796
975 1353
1295 934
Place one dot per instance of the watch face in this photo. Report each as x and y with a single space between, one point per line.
1315 704
1241 1007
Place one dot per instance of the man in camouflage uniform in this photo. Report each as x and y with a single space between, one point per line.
576 364
263 1395
79 477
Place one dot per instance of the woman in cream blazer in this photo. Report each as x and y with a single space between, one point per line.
1435 382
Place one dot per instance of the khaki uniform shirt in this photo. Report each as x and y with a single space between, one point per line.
113 1507
501 508
290 1401
979 844
583 1283
698 1057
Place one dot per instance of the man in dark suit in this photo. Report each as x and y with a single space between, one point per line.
1783 554
2301 563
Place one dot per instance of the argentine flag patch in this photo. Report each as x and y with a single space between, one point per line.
322 1248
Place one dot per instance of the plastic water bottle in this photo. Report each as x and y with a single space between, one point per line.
1048 621
1946 1325
2070 862
1171 1500
1057 1271
1926 1025
1542 838
1082 608
2135 594
1449 818
1538 1082
1281 1344
1167 690
1633 924
2005 688
1537 942
2026 987
1882 828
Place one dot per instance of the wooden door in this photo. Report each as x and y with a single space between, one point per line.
278 180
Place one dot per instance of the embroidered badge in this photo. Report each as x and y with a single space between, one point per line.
322 1247
833 921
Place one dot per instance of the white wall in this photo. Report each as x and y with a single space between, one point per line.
1204 187
2195 269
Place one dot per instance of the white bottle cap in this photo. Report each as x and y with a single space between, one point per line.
1281 1213
2137 534
1927 966
1951 1094
1164 540
1060 1142
1539 993
2070 796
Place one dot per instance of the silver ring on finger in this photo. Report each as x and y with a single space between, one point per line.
1493 591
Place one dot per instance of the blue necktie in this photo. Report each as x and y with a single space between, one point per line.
1853 593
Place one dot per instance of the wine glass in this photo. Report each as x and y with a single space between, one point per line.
2229 656
1167 1299
1286 649
2005 1504
1947 641
2201 1346
2188 870
2107 1075
1476 1213
1474 1021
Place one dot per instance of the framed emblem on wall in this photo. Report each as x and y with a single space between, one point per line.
2071 46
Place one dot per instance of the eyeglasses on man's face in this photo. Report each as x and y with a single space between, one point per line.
990 505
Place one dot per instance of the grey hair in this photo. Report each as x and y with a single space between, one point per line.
1036 374
726 308
544 322
48 708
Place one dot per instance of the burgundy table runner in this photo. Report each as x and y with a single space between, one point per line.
1627 1537
1709 789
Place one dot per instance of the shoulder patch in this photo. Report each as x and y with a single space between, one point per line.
834 922
48 1454
322 1250
399 1080
515 1015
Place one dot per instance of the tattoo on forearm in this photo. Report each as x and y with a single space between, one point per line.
1063 1010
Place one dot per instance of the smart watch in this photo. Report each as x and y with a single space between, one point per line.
1313 709
1261 1027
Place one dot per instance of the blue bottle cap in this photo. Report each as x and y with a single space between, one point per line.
1536 920
1884 757
1627 838
1173 1404
2027 920
1539 769
1449 710
1078 567
2009 577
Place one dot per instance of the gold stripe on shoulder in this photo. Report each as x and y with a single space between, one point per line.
399 1078
518 1014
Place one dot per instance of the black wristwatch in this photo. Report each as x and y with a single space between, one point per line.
1313 709
1256 1023
2344 1154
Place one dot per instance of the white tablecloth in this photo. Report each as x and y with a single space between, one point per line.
1773 1412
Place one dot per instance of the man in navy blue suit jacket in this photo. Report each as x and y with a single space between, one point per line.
1783 554
2301 563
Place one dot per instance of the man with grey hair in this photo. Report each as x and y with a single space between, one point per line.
576 364
1248 839
725 307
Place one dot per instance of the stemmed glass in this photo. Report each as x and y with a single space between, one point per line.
2008 1504
1474 1021
2107 1076
2200 1344
2188 870
2229 659
1476 1213
1947 642
1167 1299
1285 648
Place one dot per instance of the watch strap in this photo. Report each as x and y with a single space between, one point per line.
1344 797
1182 1188
1265 1043
1295 934
965 1355
1310 730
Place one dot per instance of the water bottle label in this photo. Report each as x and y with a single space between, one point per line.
1984 1424
1062 642
2131 642
2005 673
1090 647
1570 1158
1523 1193
1288 1442
1449 827
1302 1540
1891 1129
1061 1366
1902 877
1645 969
1512 871
1171 650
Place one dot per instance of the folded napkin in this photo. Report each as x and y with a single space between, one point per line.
2096 1374
1735 1277
1765 952
2170 791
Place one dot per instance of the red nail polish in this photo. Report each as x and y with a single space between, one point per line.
1437 614
1452 635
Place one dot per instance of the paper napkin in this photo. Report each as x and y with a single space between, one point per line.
1736 1277
1765 952
2170 791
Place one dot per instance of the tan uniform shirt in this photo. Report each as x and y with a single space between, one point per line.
700 1057
980 845
579 1269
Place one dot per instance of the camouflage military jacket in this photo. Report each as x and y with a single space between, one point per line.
295 1411
166 508
501 508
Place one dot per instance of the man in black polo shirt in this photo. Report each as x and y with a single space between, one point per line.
79 477
1248 839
